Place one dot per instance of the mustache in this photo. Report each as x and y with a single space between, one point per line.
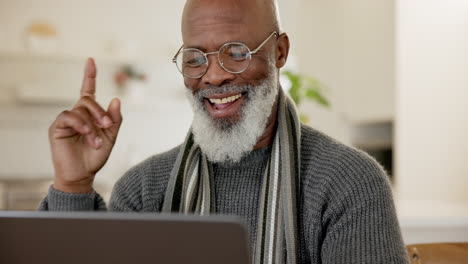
227 88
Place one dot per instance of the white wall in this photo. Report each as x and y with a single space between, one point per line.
432 113
369 52
349 47
104 27
319 46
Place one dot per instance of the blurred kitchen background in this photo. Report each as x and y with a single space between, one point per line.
394 71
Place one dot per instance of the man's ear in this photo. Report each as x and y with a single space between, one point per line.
282 50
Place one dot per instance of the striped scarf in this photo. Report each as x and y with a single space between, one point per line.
191 188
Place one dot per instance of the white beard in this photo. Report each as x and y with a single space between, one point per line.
227 140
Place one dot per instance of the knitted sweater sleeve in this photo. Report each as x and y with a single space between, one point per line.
361 223
126 196
61 201
141 188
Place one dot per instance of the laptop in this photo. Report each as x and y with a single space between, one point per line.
114 238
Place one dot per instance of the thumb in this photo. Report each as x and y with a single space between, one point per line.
114 112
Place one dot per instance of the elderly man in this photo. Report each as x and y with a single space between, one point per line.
305 197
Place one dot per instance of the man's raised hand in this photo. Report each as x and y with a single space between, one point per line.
82 138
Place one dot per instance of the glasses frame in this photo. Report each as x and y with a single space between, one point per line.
205 54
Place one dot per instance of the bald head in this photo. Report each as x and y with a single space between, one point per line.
262 15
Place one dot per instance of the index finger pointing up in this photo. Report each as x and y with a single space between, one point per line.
88 87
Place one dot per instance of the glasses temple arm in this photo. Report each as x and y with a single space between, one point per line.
174 59
264 42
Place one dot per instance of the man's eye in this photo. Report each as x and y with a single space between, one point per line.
237 56
195 62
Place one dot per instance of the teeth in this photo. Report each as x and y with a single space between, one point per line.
226 99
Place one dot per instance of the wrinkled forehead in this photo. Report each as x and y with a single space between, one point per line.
222 16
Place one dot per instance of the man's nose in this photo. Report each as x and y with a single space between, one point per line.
215 74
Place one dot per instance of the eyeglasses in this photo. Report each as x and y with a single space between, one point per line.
234 57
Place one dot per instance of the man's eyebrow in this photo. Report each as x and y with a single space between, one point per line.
204 49
194 47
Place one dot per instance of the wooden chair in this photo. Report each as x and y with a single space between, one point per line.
439 253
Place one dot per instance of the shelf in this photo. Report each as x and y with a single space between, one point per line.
69 58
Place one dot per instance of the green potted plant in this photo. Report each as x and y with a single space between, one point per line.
305 88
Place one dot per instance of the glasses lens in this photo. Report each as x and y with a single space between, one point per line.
235 57
192 63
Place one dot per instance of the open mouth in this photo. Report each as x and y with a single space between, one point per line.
224 105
